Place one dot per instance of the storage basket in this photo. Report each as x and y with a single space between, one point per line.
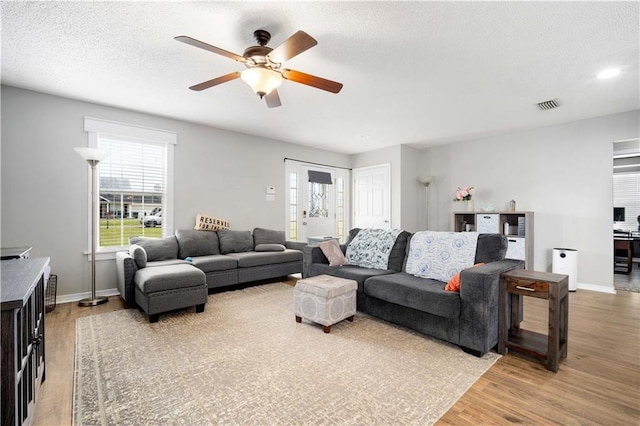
50 293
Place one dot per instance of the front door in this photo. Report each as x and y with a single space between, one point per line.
318 207
317 201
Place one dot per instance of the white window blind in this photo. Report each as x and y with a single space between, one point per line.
626 193
132 186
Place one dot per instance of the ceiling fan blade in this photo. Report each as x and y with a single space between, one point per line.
210 48
215 81
312 80
273 99
293 46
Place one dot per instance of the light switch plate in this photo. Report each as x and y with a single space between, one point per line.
271 189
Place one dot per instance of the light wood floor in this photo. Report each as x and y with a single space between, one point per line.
598 383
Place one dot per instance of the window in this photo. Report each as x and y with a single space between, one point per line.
293 206
341 200
626 193
135 182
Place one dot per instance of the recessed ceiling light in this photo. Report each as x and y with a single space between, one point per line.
608 73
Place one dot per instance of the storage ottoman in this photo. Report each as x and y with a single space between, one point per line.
165 288
325 300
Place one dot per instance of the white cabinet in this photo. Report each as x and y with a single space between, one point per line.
517 226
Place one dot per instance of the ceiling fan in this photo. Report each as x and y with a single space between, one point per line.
264 71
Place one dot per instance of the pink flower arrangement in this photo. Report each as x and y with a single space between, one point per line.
464 194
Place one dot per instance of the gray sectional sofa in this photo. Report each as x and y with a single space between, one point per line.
224 257
468 318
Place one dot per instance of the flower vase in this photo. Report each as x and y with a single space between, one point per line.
470 206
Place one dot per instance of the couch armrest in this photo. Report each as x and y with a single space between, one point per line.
295 245
312 254
479 290
126 269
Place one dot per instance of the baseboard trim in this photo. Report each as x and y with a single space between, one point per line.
594 287
78 296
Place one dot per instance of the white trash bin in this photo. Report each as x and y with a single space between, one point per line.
565 261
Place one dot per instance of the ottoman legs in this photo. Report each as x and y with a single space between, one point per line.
200 308
327 328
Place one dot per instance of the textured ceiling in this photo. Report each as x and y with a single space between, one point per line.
418 73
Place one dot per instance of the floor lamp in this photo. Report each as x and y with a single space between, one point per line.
426 181
93 157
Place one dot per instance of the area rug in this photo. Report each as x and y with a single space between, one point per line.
245 361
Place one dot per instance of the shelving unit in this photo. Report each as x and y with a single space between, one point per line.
519 234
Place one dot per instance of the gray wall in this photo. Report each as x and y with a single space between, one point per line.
562 173
44 181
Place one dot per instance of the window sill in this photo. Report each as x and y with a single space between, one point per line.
106 253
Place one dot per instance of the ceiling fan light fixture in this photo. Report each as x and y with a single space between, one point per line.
261 80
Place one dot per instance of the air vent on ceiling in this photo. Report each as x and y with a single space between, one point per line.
546 105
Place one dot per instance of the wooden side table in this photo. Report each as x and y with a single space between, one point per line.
515 284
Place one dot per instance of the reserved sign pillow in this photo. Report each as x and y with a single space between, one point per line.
210 223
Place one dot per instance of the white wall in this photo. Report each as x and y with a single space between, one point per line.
412 191
562 173
44 181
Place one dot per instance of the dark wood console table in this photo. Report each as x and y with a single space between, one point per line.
22 337
515 284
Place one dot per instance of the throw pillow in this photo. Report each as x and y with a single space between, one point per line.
270 247
441 255
268 236
235 241
210 223
454 283
332 251
139 255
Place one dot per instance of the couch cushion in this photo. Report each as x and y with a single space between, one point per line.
268 236
491 248
235 241
214 262
193 243
350 272
371 248
399 251
423 294
151 280
441 255
157 248
253 258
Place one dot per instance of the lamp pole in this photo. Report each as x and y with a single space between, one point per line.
93 157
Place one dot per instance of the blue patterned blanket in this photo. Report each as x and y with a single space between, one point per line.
441 255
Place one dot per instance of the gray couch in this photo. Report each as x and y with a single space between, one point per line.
468 318
226 257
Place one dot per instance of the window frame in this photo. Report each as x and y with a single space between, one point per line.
95 127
